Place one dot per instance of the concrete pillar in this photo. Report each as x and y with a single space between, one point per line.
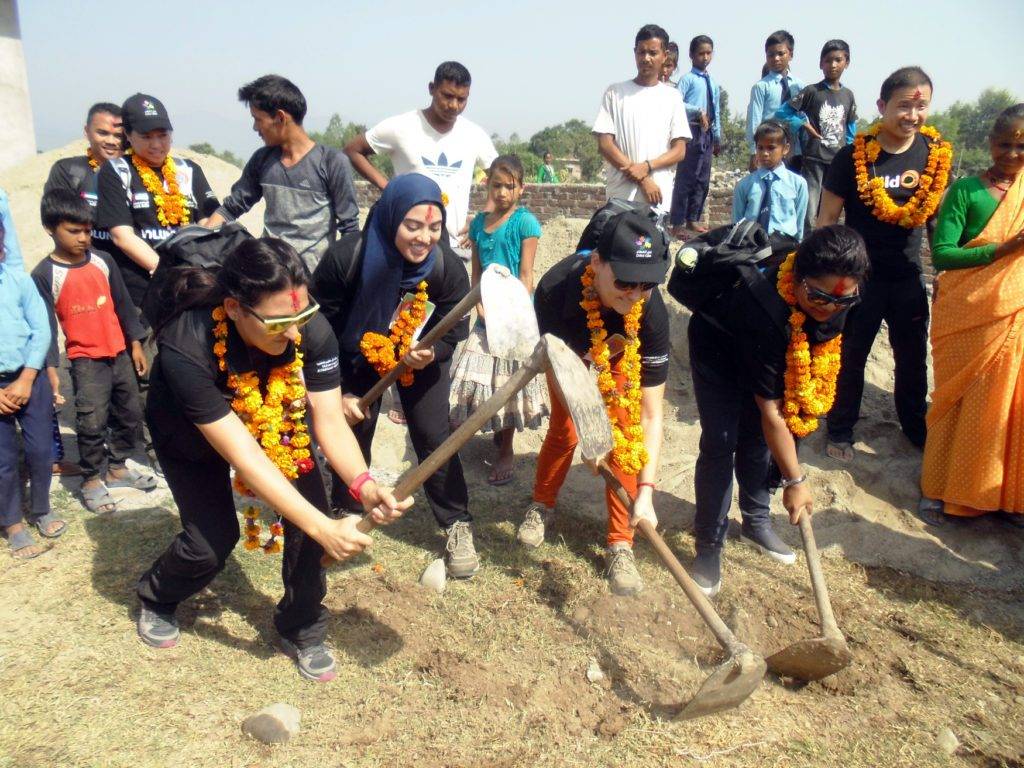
17 134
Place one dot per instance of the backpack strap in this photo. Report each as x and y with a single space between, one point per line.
125 172
766 294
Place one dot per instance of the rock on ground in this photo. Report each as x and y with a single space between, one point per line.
274 724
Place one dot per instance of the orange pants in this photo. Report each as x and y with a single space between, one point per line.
556 457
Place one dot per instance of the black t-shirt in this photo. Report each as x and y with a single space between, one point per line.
829 112
134 207
557 301
75 174
187 388
895 251
750 345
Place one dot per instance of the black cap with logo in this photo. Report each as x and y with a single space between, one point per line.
635 247
143 113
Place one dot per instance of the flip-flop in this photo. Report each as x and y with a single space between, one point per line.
134 479
396 416
42 523
66 469
97 497
495 482
21 541
839 451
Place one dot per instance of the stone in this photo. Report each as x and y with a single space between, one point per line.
594 672
947 741
772 622
434 576
274 724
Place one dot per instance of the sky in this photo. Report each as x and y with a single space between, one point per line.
533 63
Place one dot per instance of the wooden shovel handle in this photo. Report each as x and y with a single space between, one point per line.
699 600
448 322
417 475
821 599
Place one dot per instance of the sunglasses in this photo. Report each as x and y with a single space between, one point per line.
820 298
276 325
622 285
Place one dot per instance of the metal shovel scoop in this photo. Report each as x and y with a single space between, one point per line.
823 656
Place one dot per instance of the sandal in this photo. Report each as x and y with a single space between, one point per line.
97 498
66 469
133 479
43 524
396 416
23 546
839 451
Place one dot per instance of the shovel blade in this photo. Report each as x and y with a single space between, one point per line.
811 660
727 687
511 320
578 390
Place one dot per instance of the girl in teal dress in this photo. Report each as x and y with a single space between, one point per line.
508 236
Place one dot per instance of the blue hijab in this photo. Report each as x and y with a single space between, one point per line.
385 273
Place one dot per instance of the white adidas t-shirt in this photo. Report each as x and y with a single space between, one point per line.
644 120
448 158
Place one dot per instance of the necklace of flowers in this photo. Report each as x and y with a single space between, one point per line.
277 422
811 372
93 162
171 204
629 452
924 202
384 352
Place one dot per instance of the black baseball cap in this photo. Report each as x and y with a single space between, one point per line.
635 247
144 113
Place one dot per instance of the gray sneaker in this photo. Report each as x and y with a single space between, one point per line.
707 571
315 663
764 538
531 530
623 577
459 553
159 630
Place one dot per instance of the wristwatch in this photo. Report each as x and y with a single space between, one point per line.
786 483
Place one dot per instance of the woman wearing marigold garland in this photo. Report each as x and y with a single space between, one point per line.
764 369
231 385
974 457
890 182
147 195
361 283
603 305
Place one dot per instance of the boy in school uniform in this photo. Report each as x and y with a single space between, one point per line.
775 88
84 292
702 101
773 195
826 113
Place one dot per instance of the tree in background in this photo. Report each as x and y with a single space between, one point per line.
338 133
572 138
735 154
206 148
966 125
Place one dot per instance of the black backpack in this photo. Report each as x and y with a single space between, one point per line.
191 246
592 234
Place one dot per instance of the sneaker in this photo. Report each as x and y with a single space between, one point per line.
460 557
315 662
764 538
623 577
707 571
159 630
531 530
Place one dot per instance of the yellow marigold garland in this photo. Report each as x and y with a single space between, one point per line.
811 373
171 204
93 162
924 202
384 352
277 422
629 452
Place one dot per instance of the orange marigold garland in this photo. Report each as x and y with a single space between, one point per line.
629 452
276 421
811 372
93 162
384 352
171 204
924 202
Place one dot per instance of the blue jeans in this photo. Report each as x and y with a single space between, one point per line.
35 420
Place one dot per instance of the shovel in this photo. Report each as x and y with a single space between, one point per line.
736 677
497 289
823 656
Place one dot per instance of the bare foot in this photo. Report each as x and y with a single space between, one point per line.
396 416
840 451
504 468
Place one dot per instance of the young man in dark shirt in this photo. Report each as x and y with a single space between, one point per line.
630 261
895 291
308 187
738 359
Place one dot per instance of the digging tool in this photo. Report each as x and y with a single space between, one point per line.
736 677
822 656
497 289
513 332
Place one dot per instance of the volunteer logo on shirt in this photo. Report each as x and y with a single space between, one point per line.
441 166
907 180
644 247
101 300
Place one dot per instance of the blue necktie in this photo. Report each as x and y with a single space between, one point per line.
764 216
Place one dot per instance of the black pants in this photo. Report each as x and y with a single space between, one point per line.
106 396
731 440
693 178
903 304
210 530
425 403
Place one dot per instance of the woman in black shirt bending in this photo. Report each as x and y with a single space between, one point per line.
233 364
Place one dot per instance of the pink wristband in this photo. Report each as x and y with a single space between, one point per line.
355 489
652 486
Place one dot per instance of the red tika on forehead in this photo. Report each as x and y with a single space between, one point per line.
917 94
843 285
430 214
295 300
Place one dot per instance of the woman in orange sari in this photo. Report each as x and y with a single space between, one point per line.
974 456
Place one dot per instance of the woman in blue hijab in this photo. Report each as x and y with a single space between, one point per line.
360 283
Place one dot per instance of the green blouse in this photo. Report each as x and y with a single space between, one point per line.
964 213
